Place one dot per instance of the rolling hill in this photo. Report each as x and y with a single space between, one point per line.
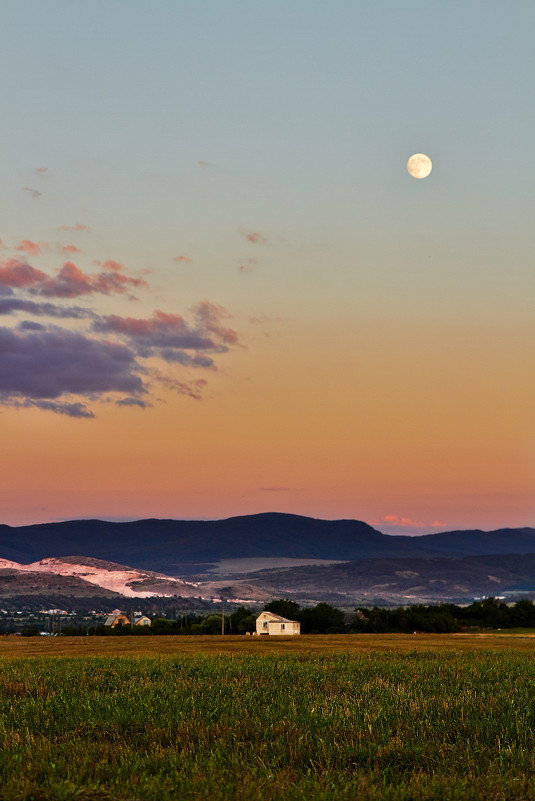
405 581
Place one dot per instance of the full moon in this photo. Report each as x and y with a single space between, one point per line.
419 165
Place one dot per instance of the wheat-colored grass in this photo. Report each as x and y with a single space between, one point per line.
12 646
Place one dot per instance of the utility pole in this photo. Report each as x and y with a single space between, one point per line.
222 621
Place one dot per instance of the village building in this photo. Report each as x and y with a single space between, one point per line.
118 619
270 623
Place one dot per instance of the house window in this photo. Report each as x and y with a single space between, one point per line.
282 626
264 624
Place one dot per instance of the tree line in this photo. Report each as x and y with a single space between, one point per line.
325 619
443 618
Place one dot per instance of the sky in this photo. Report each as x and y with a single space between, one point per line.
222 293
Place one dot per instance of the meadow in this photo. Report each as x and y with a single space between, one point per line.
351 717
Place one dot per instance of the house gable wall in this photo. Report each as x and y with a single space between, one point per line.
269 623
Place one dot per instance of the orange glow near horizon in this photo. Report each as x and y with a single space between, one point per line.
359 444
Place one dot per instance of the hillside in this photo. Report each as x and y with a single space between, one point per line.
79 576
405 581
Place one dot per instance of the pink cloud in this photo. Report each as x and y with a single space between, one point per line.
249 265
32 248
70 249
19 275
32 192
135 326
204 163
43 171
163 330
171 338
181 258
405 522
113 265
1 244
69 281
210 315
254 237
76 227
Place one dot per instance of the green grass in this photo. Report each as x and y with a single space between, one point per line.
376 725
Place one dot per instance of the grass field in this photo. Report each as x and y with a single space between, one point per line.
305 644
353 717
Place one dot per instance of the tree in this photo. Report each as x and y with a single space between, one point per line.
284 608
322 619
242 621
211 624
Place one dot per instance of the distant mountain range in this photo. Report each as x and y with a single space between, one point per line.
176 546
193 558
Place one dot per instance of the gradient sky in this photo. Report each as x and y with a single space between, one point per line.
222 293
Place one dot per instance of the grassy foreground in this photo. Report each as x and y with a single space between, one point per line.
405 725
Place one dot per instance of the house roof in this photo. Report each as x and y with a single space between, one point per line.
277 618
113 617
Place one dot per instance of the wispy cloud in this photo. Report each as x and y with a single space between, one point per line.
42 171
75 227
75 409
205 163
68 282
249 265
70 249
132 402
255 237
33 192
405 522
114 266
171 337
209 316
11 305
32 248
192 389
181 258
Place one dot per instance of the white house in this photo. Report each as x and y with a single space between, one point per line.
269 623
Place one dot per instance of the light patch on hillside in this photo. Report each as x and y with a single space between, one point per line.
118 580
254 564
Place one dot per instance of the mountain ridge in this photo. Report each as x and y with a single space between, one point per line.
182 547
